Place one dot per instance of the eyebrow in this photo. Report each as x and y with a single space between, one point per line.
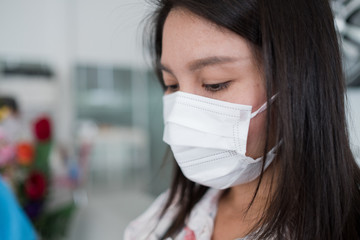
202 63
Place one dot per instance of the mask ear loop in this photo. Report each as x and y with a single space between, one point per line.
263 107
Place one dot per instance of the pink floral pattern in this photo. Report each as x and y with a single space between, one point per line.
199 225
189 234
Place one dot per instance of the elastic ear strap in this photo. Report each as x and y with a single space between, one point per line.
263 107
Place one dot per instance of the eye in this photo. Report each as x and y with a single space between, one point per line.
171 88
216 87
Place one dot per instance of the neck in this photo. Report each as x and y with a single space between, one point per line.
239 198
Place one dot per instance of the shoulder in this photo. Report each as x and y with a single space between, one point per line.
148 224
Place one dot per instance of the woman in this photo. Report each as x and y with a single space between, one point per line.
245 79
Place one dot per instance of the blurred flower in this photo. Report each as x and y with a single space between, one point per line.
35 186
4 113
7 154
33 208
12 128
42 129
74 172
7 150
25 153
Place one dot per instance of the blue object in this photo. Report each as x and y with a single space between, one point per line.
14 224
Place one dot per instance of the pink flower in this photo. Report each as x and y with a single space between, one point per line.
189 234
7 154
7 150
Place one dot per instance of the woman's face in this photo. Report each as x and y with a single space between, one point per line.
202 58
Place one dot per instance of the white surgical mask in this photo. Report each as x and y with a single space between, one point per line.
208 138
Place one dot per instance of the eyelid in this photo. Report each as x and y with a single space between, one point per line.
169 82
171 87
215 87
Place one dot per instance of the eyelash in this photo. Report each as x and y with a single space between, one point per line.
216 87
173 87
208 87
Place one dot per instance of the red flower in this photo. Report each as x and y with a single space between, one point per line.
42 128
35 186
24 153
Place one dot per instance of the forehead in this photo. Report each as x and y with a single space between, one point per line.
187 36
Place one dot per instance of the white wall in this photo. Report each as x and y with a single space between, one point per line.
33 29
65 32
87 30
108 31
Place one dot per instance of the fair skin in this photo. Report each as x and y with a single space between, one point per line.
201 58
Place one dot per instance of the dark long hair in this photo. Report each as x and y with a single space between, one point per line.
317 190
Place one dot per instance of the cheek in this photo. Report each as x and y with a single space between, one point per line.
256 136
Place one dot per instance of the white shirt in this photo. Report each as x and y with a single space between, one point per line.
199 226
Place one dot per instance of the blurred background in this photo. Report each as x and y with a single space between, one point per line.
81 112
